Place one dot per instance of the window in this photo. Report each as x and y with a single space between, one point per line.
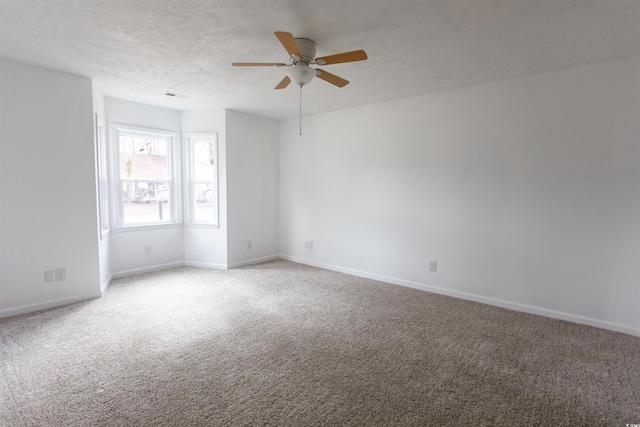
202 206
145 176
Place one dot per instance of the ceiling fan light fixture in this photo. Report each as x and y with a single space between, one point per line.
301 74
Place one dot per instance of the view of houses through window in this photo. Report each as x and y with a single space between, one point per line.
145 178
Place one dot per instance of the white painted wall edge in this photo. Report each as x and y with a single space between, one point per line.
206 265
31 308
104 286
135 271
472 297
254 261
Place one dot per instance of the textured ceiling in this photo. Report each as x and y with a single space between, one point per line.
139 49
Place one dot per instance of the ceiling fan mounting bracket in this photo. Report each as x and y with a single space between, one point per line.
307 49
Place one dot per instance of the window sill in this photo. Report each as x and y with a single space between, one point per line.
202 225
146 227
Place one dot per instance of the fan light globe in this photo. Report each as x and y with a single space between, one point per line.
301 74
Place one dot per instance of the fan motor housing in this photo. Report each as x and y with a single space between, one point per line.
307 49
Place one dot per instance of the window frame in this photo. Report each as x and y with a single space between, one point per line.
103 178
175 193
190 181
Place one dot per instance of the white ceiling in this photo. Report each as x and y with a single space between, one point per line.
139 49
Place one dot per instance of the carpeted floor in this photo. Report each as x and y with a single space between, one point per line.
281 344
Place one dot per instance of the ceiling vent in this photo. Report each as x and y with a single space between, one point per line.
176 95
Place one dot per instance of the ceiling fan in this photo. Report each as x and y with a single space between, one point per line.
302 53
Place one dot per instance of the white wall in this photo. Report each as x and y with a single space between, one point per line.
206 246
127 248
252 183
48 216
526 192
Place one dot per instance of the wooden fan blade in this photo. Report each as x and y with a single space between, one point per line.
332 78
356 55
283 83
258 64
289 43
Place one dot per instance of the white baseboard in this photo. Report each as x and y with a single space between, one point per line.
191 264
205 265
473 297
253 261
30 308
149 269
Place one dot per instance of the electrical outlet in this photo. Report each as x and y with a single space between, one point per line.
310 245
147 250
61 274
249 244
433 265
48 276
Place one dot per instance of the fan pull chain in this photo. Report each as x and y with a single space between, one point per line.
300 121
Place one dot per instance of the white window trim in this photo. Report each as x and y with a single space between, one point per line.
147 227
117 208
189 214
103 177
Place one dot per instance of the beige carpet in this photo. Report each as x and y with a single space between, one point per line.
282 344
